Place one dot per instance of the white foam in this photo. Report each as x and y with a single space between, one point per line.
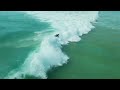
70 25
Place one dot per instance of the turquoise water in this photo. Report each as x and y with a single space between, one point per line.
95 56
16 33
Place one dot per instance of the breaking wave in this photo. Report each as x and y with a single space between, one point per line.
70 25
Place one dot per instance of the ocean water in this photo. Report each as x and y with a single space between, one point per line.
87 46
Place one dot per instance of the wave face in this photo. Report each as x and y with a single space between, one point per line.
70 25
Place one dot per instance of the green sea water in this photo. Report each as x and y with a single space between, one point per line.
95 56
16 39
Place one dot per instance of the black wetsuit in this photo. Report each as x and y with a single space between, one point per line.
57 35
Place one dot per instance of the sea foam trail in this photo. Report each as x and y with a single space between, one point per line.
70 25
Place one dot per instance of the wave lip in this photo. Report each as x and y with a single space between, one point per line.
70 25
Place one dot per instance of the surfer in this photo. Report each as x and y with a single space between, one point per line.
57 35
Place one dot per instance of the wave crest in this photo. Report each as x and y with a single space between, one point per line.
70 25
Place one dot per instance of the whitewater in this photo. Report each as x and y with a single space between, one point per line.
70 25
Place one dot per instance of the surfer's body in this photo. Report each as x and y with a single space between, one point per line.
57 35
